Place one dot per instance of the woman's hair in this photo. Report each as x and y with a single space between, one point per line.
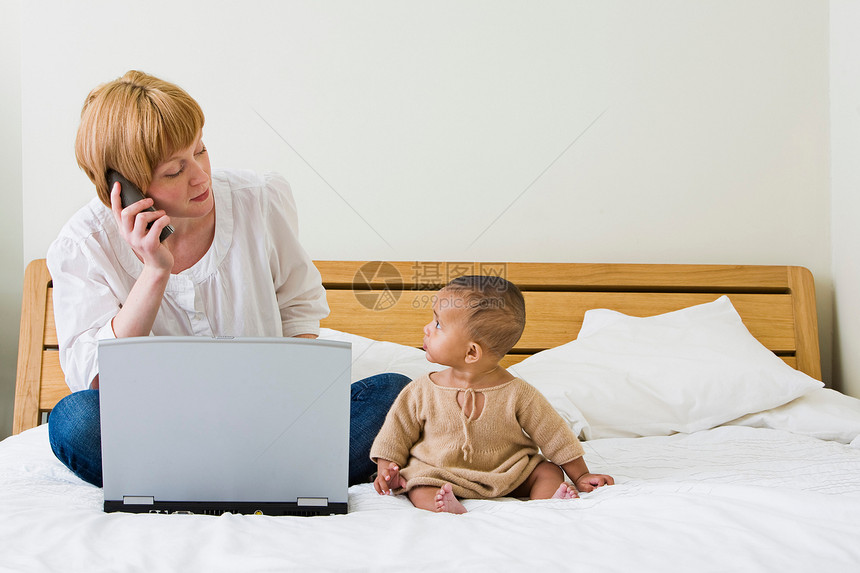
131 125
495 312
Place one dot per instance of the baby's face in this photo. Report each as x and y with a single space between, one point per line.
445 339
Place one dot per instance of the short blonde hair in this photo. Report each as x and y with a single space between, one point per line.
494 311
131 125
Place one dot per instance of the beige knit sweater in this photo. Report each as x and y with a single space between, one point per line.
428 435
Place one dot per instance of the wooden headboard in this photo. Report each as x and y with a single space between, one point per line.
392 301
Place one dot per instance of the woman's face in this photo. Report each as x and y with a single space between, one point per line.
182 184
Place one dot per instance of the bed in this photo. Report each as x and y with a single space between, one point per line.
695 386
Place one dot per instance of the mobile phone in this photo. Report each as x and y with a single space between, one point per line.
130 194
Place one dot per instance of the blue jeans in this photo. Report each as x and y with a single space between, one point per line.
74 427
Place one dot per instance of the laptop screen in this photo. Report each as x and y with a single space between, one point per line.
206 425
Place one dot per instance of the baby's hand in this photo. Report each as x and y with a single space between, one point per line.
388 477
589 482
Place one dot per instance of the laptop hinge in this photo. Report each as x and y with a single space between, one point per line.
312 501
138 500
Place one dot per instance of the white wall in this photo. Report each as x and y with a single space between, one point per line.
845 190
620 131
11 220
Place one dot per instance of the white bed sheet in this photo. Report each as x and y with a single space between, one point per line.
726 499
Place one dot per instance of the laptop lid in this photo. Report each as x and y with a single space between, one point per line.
210 425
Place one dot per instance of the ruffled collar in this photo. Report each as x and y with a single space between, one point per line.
210 261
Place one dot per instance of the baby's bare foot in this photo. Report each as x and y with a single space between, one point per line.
447 502
565 491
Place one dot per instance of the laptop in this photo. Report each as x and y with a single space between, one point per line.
213 425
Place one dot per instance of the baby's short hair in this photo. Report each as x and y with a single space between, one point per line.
495 311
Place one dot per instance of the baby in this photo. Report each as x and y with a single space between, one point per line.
474 430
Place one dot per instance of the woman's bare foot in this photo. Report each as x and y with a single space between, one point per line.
447 502
565 491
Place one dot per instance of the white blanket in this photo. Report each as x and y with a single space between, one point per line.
727 499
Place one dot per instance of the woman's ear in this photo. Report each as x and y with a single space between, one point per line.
474 352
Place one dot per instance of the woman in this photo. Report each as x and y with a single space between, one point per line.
232 267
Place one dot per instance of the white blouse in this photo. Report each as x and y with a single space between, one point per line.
255 279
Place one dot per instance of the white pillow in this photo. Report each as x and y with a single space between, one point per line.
371 357
683 371
824 414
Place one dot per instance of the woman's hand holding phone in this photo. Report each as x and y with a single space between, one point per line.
142 227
